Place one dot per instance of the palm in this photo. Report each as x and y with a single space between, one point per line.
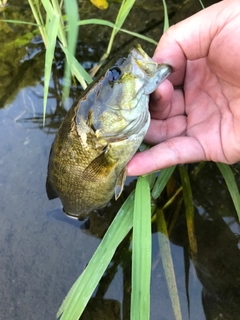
211 111
202 116
200 120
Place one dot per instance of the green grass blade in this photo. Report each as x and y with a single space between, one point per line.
112 25
228 176
53 8
71 8
167 262
188 201
61 31
78 296
123 12
48 8
166 20
38 19
202 5
162 180
77 70
151 178
141 252
72 24
20 22
51 40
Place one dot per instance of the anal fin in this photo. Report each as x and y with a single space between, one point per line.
51 193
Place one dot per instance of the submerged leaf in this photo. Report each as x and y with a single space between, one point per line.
187 197
167 262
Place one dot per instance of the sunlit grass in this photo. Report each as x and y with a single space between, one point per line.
52 28
51 39
123 12
64 28
55 26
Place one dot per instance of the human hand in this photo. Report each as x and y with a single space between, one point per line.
201 121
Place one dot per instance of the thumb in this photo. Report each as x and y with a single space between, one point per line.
191 38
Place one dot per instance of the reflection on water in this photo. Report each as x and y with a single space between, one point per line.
42 251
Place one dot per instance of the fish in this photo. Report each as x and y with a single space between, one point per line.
100 134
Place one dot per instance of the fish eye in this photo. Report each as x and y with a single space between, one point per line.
114 74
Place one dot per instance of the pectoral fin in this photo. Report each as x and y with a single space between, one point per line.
51 193
99 168
120 183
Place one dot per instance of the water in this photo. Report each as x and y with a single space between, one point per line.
42 251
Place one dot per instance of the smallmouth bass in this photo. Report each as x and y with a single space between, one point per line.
100 134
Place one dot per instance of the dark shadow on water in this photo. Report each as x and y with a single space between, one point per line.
217 265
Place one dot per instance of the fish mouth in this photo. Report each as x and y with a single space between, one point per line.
143 61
